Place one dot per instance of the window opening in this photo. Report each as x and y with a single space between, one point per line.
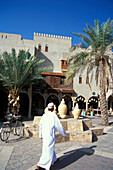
29 55
80 79
87 80
64 64
46 48
39 47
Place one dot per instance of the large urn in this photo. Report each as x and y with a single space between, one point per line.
62 109
76 112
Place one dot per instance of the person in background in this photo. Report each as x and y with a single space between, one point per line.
48 124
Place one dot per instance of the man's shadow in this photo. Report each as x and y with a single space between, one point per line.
72 156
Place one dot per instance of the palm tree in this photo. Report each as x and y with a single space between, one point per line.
95 56
17 72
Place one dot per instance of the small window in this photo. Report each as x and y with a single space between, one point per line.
64 64
29 55
93 93
39 47
87 80
80 79
6 37
2 36
46 48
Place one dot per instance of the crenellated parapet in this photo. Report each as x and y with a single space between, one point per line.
52 36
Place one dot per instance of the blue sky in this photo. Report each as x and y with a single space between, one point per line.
57 17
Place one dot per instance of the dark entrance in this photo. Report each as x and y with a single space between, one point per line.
24 104
81 102
3 103
110 102
93 102
53 99
37 105
68 102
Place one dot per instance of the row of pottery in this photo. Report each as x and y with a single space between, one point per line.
62 111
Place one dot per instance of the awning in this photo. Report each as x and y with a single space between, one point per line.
52 74
61 90
67 91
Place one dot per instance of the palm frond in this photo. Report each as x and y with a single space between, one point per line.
16 71
99 38
108 71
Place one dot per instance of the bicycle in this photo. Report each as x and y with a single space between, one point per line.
13 124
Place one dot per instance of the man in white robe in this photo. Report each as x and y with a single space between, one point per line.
48 123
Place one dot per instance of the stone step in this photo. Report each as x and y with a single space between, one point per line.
85 136
78 125
97 131
77 130
59 138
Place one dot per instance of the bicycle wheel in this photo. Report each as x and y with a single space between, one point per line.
5 132
18 128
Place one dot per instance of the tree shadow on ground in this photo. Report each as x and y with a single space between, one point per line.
72 156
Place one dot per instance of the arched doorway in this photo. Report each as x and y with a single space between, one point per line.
53 99
110 102
93 102
81 102
37 105
68 102
3 103
24 104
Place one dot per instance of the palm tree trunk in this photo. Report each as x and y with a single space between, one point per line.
103 102
13 105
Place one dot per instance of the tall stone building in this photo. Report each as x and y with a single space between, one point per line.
55 50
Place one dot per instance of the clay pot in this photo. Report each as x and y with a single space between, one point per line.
62 109
76 112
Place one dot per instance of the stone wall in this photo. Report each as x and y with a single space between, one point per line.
77 130
58 47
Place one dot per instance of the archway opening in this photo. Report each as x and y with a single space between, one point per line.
110 103
93 102
53 99
37 105
3 103
24 104
81 102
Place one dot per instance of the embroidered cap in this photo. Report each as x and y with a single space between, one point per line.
50 106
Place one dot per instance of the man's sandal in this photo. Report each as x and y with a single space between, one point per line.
39 168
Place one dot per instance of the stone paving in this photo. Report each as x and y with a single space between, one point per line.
22 153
